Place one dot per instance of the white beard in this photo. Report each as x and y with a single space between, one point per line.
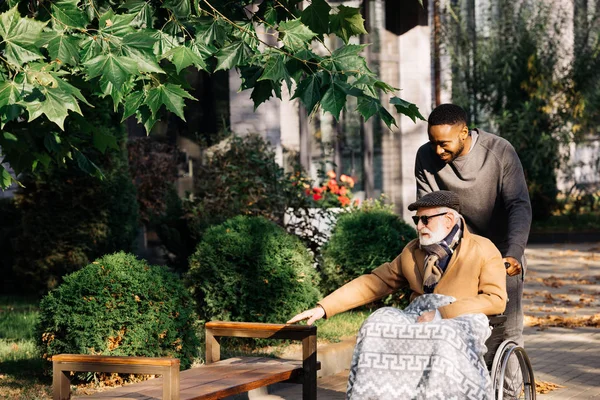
434 237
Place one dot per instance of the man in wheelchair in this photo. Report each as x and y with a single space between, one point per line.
434 348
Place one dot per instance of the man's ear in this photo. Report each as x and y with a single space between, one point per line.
452 219
464 133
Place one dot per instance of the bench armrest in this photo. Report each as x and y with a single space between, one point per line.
260 330
307 334
62 364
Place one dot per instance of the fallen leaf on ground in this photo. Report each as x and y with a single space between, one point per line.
542 387
563 322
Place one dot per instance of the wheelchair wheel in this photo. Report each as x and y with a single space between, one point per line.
522 378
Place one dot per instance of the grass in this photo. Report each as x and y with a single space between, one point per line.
342 325
21 369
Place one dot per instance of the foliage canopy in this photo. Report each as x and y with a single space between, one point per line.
136 53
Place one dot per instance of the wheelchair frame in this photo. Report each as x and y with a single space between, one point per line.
502 351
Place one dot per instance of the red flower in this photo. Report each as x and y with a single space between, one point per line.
317 190
317 197
343 191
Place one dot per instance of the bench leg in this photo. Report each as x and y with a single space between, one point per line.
309 363
171 383
61 389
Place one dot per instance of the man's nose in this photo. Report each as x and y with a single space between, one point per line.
439 150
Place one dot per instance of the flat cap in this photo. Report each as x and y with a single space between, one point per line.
441 198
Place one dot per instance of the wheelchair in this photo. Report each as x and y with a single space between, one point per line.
500 353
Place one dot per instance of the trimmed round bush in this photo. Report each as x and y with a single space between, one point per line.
119 305
361 241
250 269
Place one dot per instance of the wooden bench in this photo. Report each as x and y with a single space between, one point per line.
214 380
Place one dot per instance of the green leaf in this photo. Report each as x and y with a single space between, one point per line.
386 117
5 178
368 106
102 141
164 42
90 47
211 32
309 92
295 35
334 99
132 103
64 48
86 165
68 14
275 69
19 36
181 8
182 57
114 69
406 108
263 90
232 55
117 94
139 47
348 60
10 93
270 15
70 89
202 50
143 12
347 23
316 16
116 24
146 118
299 64
54 105
169 95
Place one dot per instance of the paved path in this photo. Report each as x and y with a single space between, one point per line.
563 282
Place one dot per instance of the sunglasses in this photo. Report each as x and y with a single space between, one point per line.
425 218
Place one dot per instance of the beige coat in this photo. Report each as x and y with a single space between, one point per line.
475 276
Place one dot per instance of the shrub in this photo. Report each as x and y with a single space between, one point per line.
361 241
249 269
119 305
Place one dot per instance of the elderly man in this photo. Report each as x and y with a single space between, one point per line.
434 348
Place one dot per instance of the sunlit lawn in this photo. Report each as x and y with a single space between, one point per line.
21 369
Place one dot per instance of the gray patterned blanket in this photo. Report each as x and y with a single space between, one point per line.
397 358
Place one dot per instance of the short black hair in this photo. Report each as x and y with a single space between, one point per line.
447 114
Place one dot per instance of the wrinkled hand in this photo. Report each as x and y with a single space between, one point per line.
513 267
312 315
426 316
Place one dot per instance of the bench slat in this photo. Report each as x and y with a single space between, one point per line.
223 378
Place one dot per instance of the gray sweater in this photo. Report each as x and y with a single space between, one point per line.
490 183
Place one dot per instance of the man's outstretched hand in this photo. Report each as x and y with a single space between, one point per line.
314 314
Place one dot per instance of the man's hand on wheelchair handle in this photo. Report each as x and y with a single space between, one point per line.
312 315
513 267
